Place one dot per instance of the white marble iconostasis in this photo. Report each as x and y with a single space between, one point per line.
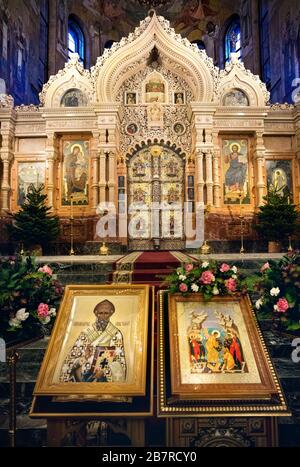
153 92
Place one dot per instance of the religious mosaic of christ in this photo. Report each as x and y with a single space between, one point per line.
75 179
235 167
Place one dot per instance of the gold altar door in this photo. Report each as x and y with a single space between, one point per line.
156 199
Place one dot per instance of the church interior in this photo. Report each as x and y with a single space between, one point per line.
150 223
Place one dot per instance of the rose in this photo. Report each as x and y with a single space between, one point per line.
183 288
189 267
265 267
43 310
207 278
46 270
195 287
224 267
230 285
275 291
282 305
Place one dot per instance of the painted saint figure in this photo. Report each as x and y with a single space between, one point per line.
98 353
76 171
235 177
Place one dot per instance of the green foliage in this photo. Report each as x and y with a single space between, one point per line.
191 279
277 218
34 224
24 285
285 276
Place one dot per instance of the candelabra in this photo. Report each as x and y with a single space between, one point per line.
242 219
72 253
205 248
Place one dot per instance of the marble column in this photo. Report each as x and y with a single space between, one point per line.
111 176
102 176
51 158
200 179
216 172
259 156
95 174
6 153
209 177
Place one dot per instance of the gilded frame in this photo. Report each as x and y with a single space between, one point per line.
270 401
46 385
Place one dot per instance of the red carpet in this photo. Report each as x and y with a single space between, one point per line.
152 267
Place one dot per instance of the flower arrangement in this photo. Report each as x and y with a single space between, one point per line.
29 297
278 287
209 278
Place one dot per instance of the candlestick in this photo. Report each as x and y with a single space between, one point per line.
72 253
242 249
205 248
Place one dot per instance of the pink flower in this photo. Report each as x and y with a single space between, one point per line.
183 288
46 270
43 310
224 267
282 305
230 285
188 267
207 278
265 267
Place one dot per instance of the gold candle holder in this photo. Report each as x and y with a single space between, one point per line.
241 216
72 253
205 249
103 250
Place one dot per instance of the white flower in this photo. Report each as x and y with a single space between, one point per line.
52 312
14 323
234 276
275 291
182 277
215 290
195 287
21 314
275 307
179 271
205 264
234 269
259 303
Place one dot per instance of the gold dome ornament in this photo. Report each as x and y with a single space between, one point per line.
103 250
156 151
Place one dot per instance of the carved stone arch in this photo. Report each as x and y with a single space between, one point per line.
130 55
235 76
73 76
155 142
